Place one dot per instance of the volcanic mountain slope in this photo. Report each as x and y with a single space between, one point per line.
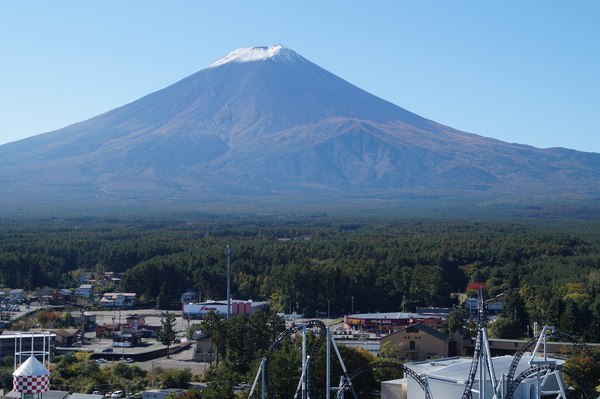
264 121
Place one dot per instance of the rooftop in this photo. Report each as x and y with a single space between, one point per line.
456 369
390 315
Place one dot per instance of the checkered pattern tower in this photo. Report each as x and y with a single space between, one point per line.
31 378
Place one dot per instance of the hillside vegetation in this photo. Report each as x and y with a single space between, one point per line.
374 264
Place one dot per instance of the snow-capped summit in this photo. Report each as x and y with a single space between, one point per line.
266 123
249 54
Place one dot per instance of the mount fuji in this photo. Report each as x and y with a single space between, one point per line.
264 123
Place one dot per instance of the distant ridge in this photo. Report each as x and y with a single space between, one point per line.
263 125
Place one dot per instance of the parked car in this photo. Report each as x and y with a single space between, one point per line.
101 360
129 360
117 394
241 386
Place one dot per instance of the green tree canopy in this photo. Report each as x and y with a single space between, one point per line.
167 333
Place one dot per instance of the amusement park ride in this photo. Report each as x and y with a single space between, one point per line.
485 384
31 377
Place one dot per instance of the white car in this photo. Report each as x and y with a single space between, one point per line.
117 394
101 360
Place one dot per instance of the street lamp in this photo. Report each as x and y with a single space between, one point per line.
328 303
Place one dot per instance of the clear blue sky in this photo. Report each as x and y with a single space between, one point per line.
519 71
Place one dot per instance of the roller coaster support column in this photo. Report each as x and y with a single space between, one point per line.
302 383
346 376
490 366
261 372
328 365
481 385
263 389
532 362
304 361
542 341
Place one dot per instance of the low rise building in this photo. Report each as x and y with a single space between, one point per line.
63 336
17 295
21 342
190 296
204 351
60 297
420 342
125 340
387 323
134 322
494 306
84 291
238 307
118 299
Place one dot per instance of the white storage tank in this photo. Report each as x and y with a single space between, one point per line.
31 378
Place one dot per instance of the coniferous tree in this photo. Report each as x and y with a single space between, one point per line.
167 332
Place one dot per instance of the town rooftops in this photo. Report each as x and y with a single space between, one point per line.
389 315
62 332
426 329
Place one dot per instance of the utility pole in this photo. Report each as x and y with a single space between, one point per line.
228 251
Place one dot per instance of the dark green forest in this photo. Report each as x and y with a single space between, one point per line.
302 263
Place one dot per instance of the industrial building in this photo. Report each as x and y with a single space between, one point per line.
387 323
238 307
15 344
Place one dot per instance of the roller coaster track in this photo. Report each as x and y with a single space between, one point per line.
320 338
375 365
529 344
512 383
530 372
481 315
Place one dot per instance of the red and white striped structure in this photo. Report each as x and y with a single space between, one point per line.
31 377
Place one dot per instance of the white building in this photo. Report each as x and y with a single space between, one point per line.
447 378
118 299
494 306
238 307
85 291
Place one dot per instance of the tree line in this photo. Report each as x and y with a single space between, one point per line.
310 264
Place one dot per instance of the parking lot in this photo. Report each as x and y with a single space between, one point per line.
102 347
